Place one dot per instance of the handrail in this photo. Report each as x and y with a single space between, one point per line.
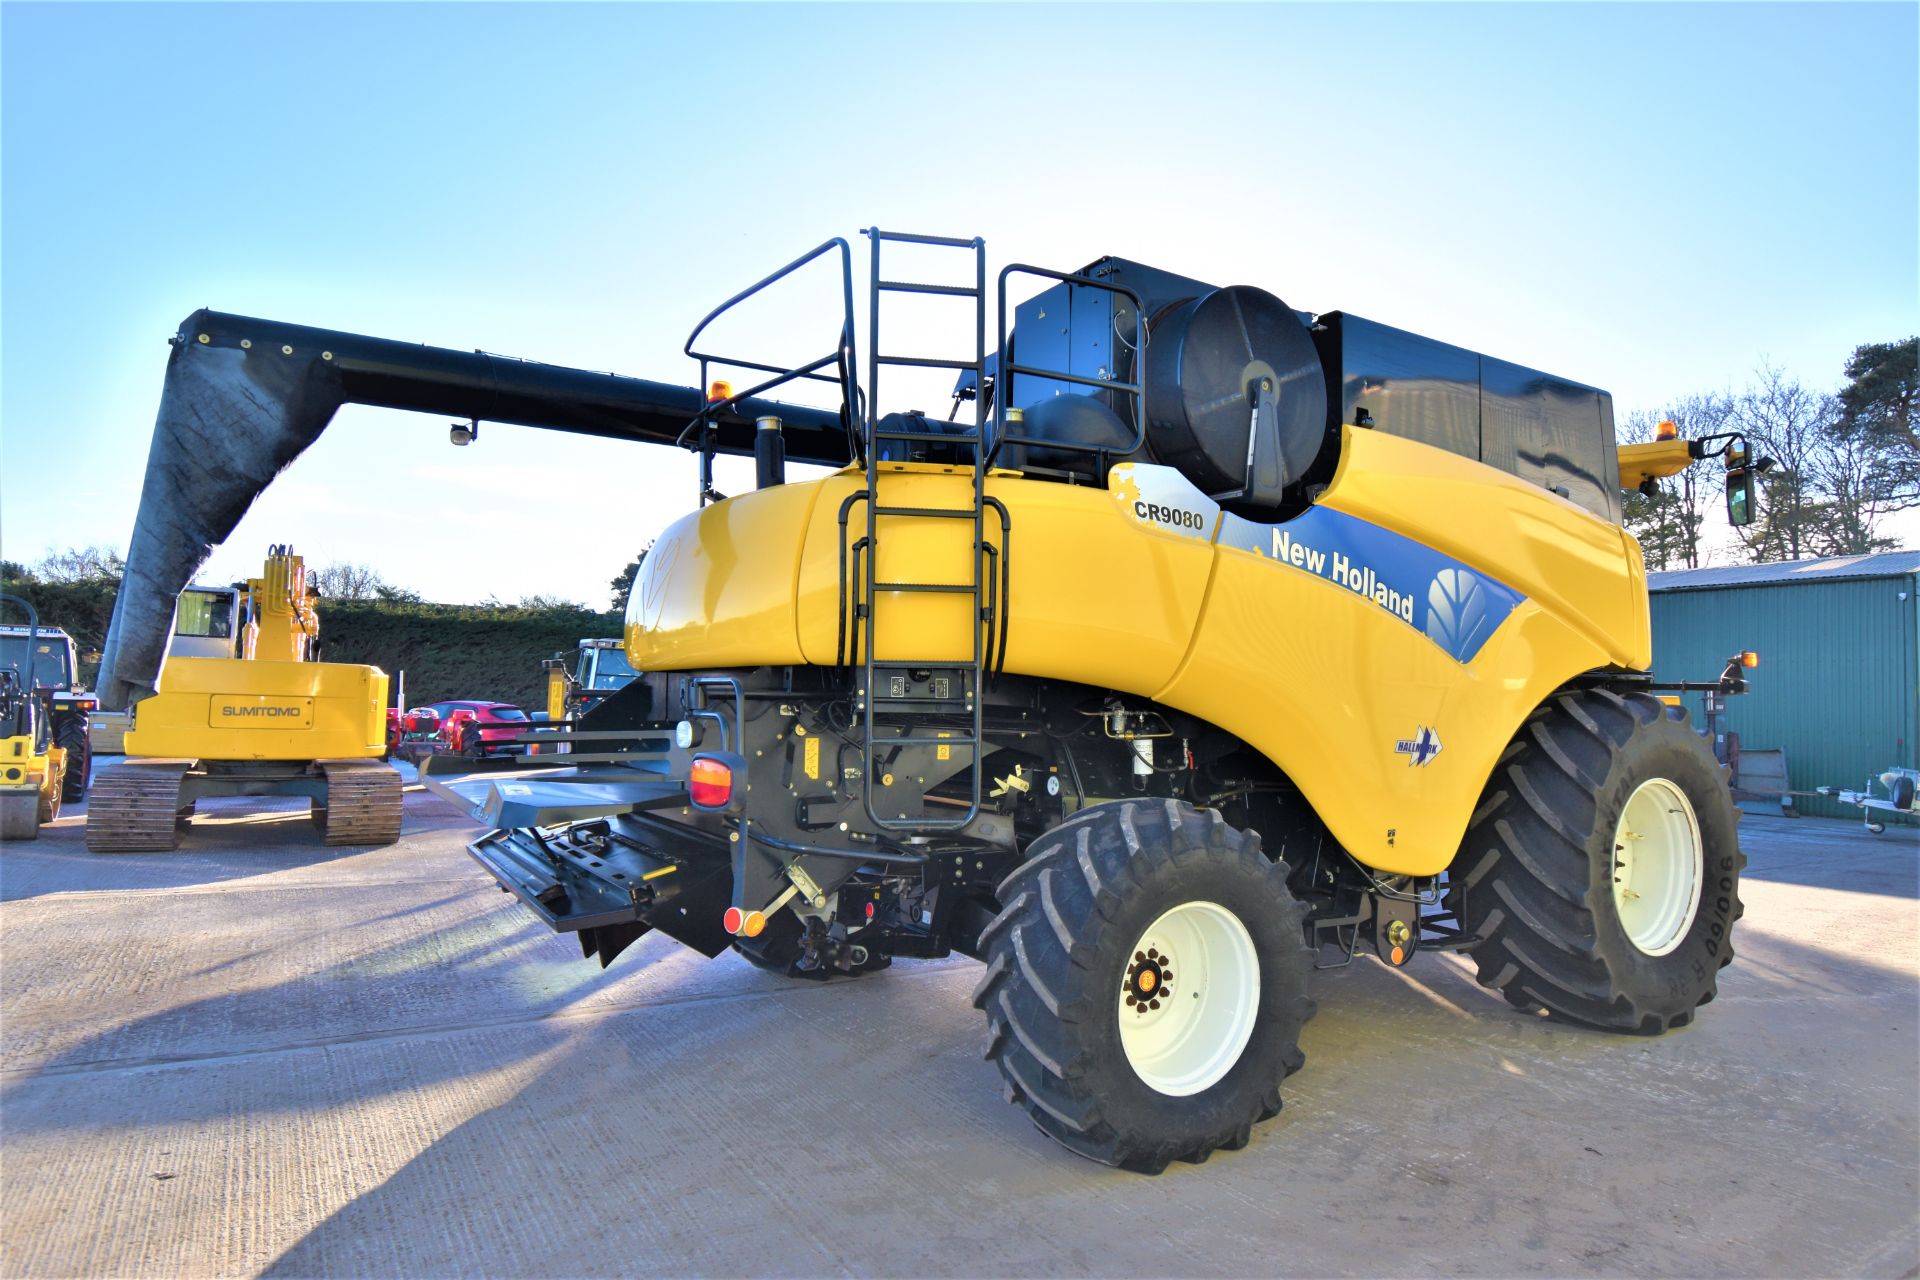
842 356
846 262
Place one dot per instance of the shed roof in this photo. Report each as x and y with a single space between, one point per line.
1884 564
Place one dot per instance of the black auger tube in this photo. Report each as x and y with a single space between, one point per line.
244 397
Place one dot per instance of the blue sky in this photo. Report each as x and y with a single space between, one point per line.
1649 198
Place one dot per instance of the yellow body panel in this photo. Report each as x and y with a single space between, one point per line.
240 709
1156 593
22 768
705 600
1640 463
717 587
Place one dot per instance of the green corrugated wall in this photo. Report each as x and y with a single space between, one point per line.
1839 679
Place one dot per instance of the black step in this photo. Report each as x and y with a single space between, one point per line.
953 513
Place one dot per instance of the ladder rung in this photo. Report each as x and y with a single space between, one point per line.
909 286
929 436
923 824
931 742
889 664
927 586
951 513
910 237
928 362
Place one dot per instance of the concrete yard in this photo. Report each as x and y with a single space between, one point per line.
259 1055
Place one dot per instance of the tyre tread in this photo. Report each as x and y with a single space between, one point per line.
1526 882
1073 880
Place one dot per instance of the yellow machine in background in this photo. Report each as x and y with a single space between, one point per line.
261 719
33 767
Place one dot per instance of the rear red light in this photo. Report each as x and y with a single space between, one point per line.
733 919
710 783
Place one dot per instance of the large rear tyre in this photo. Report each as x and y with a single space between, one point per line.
1146 984
72 734
1601 870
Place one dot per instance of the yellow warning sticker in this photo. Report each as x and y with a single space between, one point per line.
943 753
813 759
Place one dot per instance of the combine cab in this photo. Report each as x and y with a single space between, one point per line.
1216 641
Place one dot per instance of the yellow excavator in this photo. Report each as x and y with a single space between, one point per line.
257 717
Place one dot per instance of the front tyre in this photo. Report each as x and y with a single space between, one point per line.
1601 871
1146 984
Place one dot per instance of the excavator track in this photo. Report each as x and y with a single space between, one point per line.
134 807
363 802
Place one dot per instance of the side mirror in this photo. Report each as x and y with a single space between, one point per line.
1740 496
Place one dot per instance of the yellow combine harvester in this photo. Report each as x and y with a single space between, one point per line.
1219 642
261 719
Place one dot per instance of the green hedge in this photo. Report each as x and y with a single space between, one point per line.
458 651
82 609
488 652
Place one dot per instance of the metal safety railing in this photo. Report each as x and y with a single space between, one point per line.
842 358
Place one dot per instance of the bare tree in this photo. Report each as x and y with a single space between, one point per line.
81 564
1792 424
545 603
345 580
1860 489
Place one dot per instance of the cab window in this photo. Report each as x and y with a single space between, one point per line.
204 613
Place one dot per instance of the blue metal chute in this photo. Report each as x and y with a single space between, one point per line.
504 792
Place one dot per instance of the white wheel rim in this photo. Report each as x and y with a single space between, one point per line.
1188 998
1658 864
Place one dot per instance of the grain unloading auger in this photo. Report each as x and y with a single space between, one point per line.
1221 638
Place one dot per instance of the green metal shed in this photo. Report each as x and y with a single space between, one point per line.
1838 685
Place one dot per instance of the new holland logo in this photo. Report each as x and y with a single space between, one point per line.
1421 748
1460 614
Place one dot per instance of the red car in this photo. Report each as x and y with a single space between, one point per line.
451 726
